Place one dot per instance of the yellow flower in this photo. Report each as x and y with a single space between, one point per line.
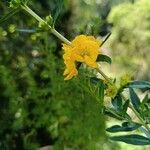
70 71
84 49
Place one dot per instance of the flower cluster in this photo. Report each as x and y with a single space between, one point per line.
83 49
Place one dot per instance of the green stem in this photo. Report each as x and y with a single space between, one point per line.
130 106
58 35
105 76
38 18
32 13
137 114
141 119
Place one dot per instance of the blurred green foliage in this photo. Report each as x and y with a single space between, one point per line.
130 41
37 107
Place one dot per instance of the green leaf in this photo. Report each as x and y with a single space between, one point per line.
126 126
101 90
59 6
100 84
134 99
115 128
132 139
8 15
94 80
28 30
145 131
130 126
117 103
104 58
139 84
125 107
112 113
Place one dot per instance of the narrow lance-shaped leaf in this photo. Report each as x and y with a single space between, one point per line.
126 127
134 99
94 80
117 103
132 139
28 30
139 84
145 131
101 90
125 107
104 58
112 113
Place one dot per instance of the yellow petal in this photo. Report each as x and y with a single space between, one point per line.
66 72
78 58
71 74
90 62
